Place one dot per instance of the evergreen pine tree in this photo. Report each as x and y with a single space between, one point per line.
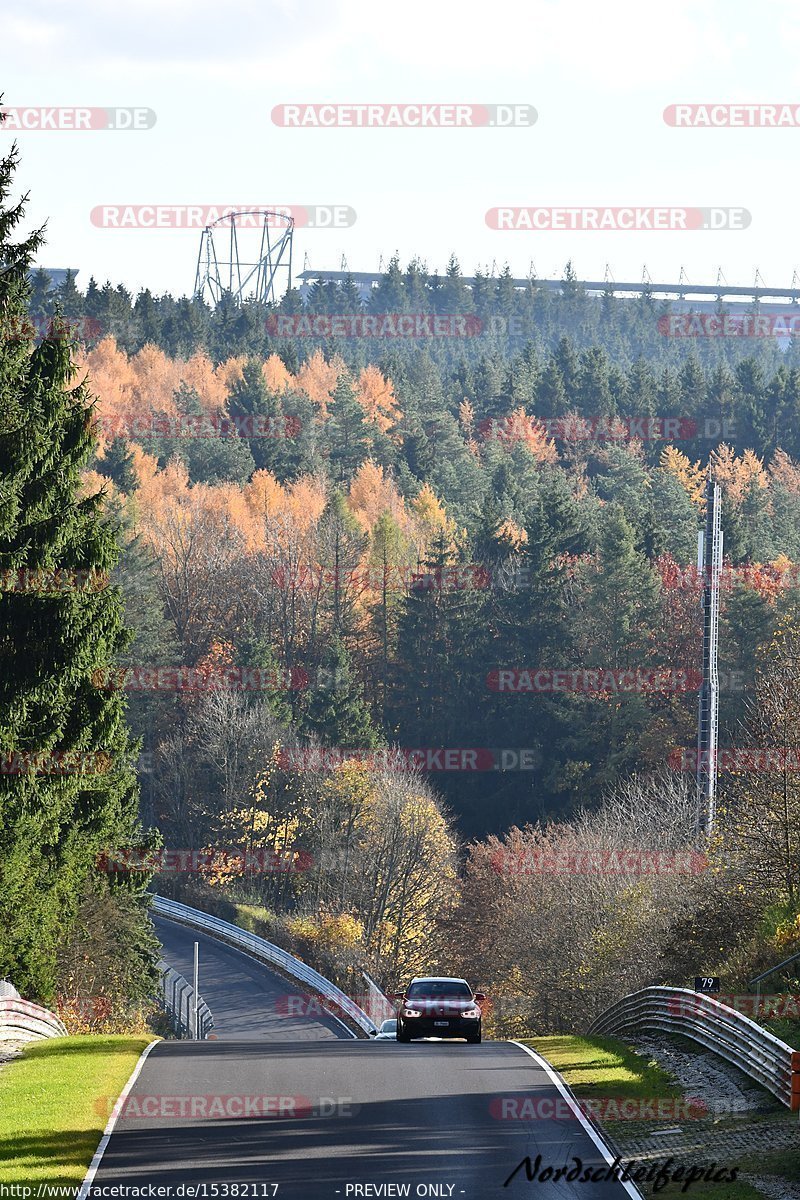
347 431
57 633
336 713
250 397
117 465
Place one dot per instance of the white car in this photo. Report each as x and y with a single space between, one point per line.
387 1031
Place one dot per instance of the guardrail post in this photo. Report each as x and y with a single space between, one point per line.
187 1024
196 996
795 1082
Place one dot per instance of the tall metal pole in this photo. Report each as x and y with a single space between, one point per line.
709 562
196 1002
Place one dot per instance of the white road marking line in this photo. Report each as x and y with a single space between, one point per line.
630 1186
112 1120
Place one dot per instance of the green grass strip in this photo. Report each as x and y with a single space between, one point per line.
55 1100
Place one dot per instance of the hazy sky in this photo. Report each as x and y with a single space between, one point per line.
598 74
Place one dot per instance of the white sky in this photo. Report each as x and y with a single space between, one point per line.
599 75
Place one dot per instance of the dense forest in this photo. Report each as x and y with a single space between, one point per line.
418 524
390 596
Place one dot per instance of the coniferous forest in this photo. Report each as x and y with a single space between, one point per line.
407 607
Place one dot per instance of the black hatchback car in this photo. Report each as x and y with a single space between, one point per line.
441 1007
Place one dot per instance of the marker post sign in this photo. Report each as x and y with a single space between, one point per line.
708 984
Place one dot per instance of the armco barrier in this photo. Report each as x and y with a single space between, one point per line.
22 1021
379 1006
265 951
177 999
727 1032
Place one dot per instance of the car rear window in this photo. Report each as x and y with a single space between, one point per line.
439 987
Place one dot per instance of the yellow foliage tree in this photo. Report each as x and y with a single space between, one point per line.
431 518
277 376
112 381
512 534
785 472
519 427
317 378
737 475
199 374
156 378
691 476
232 371
372 494
376 396
466 416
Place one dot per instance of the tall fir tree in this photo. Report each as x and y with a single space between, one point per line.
117 465
347 431
251 398
336 713
67 785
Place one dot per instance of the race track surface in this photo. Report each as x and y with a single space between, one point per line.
329 1118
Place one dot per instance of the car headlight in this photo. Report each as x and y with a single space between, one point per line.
472 1013
411 1012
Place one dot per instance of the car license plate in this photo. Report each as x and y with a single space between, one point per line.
441 1023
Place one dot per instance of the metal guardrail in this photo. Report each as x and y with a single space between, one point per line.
378 1005
177 999
266 952
22 1021
766 974
714 1025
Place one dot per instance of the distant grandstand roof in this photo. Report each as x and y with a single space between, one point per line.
701 295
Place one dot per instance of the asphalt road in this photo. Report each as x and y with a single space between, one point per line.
247 1000
324 1119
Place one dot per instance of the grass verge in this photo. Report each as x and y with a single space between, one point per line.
738 1190
55 1099
604 1067
598 1068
